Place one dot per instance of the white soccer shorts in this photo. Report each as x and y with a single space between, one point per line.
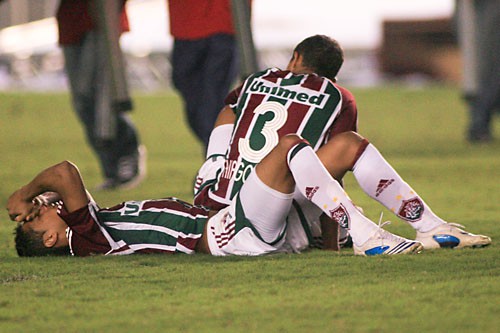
253 224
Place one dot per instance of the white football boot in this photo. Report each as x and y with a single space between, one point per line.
451 235
384 242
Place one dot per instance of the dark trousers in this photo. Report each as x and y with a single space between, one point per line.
89 90
203 71
487 98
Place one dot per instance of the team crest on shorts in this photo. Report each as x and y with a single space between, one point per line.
310 191
411 210
340 216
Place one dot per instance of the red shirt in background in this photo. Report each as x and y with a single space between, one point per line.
74 21
193 19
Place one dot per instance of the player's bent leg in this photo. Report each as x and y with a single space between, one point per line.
339 154
379 180
273 169
451 235
318 186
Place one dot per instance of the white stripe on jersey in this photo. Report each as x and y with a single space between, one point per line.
121 253
122 248
69 235
93 208
137 247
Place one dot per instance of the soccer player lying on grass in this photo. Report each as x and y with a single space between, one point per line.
253 224
305 100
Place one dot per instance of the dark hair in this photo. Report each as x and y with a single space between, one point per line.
321 54
30 244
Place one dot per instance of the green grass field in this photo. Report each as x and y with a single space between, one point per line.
420 131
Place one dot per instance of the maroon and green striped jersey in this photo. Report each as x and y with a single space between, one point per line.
150 226
271 104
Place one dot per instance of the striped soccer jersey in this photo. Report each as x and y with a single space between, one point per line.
150 226
274 103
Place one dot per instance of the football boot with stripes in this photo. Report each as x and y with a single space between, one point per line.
384 242
451 235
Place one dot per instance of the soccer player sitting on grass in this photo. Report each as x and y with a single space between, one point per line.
253 224
305 99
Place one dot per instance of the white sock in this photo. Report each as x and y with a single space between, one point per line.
317 185
381 182
219 140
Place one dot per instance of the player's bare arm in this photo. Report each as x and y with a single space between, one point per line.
62 178
226 116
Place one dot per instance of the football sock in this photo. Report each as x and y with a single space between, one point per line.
219 140
216 151
381 182
317 185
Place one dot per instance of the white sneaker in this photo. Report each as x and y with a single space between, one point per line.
383 242
451 235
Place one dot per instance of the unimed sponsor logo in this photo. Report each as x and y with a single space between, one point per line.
303 96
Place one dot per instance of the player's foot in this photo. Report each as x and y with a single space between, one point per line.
384 242
451 235
479 137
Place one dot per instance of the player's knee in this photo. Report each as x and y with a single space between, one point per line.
347 139
290 140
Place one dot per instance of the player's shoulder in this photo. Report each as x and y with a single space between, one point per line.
347 95
274 73
271 72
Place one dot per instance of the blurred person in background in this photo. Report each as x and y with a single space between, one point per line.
205 59
478 28
121 157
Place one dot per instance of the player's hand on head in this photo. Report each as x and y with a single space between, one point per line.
20 210
35 211
17 215
22 213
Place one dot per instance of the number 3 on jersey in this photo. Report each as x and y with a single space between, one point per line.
263 136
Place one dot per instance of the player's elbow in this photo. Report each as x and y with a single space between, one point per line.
67 170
